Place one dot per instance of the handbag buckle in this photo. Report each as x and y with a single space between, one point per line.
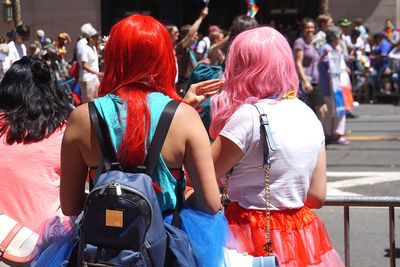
2 250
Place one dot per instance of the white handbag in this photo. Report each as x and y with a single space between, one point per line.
17 242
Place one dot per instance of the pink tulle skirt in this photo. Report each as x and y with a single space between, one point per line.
298 235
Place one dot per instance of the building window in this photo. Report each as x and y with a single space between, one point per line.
7 11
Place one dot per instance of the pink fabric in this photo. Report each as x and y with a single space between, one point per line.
30 181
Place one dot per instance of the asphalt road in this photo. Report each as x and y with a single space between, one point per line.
369 166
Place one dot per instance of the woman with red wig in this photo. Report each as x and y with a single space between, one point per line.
261 79
139 74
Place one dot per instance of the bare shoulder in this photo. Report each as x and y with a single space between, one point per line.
187 116
78 114
186 112
78 123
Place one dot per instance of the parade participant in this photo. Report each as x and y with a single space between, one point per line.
16 46
334 125
88 59
185 55
33 113
204 45
138 83
260 70
40 34
380 62
307 58
324 21
173 33
5 62
62 39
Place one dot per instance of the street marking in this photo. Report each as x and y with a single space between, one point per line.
373 138
332 191
363 178
361 174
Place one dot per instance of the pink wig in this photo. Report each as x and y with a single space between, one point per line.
259 66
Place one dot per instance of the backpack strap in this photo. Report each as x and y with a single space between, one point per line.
109 159
159 136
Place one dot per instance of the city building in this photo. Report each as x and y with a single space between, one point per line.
56 16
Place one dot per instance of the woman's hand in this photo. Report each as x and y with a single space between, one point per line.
198 92
308 87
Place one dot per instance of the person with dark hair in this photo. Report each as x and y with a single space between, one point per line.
185 56
33 114
139 73
307 58
380 62
240 24
16 46
173 33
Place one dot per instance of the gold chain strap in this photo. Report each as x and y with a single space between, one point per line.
225 197
269 248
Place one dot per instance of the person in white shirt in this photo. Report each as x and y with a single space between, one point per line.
260 71
204 45
324 22
17 48
5 62
88 59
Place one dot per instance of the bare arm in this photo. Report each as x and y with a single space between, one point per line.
198 162
73 166
186 41
299 56
225 155
85 66
317 192
220 44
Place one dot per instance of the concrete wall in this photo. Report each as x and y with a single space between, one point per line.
55 16
374 12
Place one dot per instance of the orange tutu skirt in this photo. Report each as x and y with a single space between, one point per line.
299 237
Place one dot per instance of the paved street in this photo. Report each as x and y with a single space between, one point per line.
369 166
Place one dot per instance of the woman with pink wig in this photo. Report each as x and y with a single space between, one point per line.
260 71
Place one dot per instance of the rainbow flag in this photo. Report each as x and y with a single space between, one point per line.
252 8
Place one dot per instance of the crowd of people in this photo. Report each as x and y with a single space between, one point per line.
273 178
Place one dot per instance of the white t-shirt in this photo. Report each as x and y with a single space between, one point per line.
80 45
358 45
16 51
203 46
298 135
88 54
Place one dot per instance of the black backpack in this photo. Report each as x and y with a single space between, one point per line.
122 224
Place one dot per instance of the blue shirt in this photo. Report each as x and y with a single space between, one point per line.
324 81
382 49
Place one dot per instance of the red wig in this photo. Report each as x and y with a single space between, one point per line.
138 59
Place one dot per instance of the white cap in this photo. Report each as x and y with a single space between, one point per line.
88 30
40 33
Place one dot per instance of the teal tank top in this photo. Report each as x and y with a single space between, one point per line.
112 109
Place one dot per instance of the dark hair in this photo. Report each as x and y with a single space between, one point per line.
242 23
170 27
32 106
305 21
